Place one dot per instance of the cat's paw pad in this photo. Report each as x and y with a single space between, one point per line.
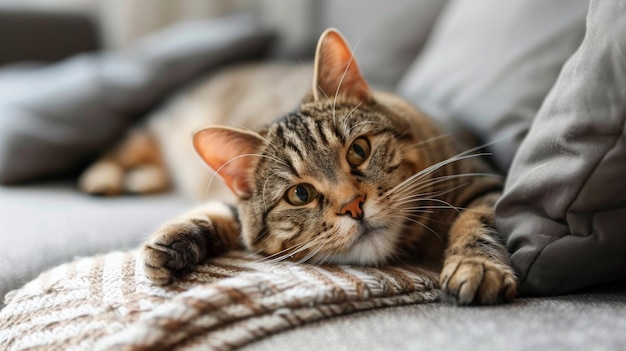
476 280
176 249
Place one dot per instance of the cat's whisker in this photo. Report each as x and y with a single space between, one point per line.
436 138
346 118
434 181
330 103
327 258
413 197
406 197
424 226
458 209
296 250
283 254
428 170
309 255
423 209
435 190
343 76
268 257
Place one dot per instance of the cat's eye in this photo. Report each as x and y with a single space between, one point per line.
301 194
359 151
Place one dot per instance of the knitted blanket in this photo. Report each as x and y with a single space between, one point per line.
106 302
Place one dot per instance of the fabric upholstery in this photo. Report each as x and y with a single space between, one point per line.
564 207
593 320
489 64
55 117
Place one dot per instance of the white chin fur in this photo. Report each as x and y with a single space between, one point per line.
374 249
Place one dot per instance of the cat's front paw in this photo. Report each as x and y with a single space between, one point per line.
477 280
177 247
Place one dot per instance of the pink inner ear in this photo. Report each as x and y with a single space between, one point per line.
336 70
231 153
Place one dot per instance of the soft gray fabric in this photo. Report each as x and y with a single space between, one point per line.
589 321
54 117
490 63
564 207
48 224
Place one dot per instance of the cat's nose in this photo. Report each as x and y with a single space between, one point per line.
353 207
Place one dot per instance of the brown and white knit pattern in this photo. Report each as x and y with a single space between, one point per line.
105 302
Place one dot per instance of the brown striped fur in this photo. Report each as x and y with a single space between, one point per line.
350 176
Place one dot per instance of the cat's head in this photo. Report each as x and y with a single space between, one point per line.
327 181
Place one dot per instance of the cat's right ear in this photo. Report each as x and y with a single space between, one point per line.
233 155
336 71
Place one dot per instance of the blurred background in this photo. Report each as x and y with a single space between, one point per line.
76 74
50 30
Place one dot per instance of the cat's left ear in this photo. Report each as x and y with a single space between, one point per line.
232 153
336 71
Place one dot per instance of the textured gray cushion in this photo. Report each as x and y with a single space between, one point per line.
55 117
589 321
564 207
490 63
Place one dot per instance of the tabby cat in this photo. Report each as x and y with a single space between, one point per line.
351 176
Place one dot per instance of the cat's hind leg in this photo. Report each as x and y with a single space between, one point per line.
476 268
134 166
181 244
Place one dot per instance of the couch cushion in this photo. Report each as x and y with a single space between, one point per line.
564 207
55 117
489 64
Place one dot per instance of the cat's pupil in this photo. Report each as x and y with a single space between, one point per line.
358 150
302 193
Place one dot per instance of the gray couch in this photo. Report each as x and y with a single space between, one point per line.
455 60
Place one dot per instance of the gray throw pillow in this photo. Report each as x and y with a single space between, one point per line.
564 207
489 64
55 117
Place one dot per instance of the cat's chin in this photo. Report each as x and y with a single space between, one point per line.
373 247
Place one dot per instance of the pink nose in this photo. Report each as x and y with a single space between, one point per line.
353 207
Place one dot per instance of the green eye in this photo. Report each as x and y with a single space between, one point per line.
301 194
359 151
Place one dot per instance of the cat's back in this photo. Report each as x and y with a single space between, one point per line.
245 96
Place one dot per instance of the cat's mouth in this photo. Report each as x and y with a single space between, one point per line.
366 230
371 246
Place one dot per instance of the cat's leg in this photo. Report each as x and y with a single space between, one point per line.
476 268
134 166
184 242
